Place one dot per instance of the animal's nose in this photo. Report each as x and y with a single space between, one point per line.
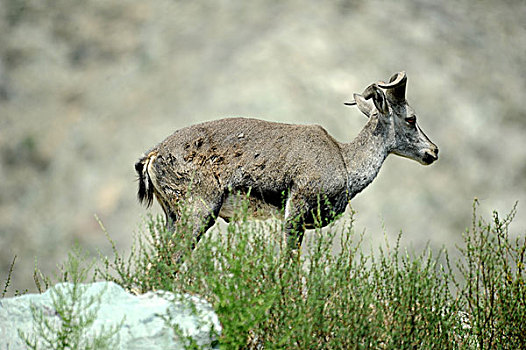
431 155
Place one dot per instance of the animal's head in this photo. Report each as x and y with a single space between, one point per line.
387 102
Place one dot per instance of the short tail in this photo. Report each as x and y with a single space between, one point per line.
145 192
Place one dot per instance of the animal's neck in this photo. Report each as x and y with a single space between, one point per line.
365 155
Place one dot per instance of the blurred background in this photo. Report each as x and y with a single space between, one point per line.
87 86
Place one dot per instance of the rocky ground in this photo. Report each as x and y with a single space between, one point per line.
87 86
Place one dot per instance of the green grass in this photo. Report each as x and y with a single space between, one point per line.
385 299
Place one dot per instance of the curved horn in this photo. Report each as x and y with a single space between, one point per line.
396 87
395 80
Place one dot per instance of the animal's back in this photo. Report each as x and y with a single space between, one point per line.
242 152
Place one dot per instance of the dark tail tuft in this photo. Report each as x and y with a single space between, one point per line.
145 193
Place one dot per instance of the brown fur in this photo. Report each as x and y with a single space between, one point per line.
299 170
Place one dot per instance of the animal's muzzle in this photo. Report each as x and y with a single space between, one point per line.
430 155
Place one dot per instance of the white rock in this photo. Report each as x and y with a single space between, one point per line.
142 325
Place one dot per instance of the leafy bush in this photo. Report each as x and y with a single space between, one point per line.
268 298
493 290
75 312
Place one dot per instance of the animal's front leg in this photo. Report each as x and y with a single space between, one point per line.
294 225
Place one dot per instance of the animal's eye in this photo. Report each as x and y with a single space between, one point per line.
411 120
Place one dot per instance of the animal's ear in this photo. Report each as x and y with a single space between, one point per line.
363 105
378 96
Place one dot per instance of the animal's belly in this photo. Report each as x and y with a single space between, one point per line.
238 205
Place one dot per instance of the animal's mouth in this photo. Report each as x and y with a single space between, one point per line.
429 157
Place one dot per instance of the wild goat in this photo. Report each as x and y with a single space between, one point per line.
298 168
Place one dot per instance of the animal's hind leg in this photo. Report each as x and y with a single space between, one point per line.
203 217
171 214
195 217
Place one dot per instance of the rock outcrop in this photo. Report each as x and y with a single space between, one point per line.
103 314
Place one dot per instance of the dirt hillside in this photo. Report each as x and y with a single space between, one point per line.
87 86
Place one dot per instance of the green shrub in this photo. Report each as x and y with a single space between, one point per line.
267 298
76 313
493 290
